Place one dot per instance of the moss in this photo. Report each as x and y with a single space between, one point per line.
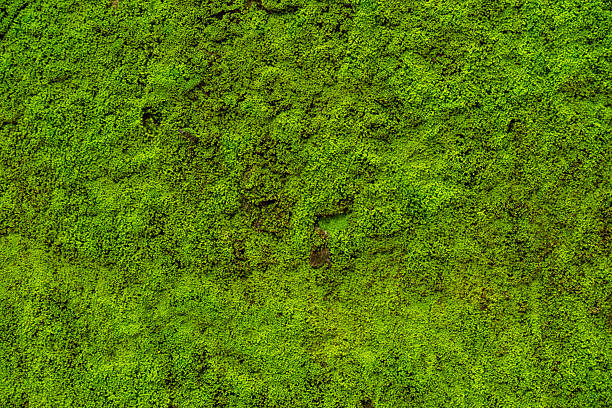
305 203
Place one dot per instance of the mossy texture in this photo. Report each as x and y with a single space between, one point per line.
296 203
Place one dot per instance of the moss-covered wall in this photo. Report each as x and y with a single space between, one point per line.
296 203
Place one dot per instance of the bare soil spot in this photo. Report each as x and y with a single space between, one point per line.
320 257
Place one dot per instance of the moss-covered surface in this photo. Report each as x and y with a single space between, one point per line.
296 203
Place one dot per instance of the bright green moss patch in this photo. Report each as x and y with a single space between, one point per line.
334 223
298 203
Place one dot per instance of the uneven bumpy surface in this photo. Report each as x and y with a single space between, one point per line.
299 203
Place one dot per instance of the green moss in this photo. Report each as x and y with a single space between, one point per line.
168 168
334 223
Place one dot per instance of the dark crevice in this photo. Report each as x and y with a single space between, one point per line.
13 18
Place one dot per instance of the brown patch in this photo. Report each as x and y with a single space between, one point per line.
256 3
367 403
321 232
320 257
114 4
